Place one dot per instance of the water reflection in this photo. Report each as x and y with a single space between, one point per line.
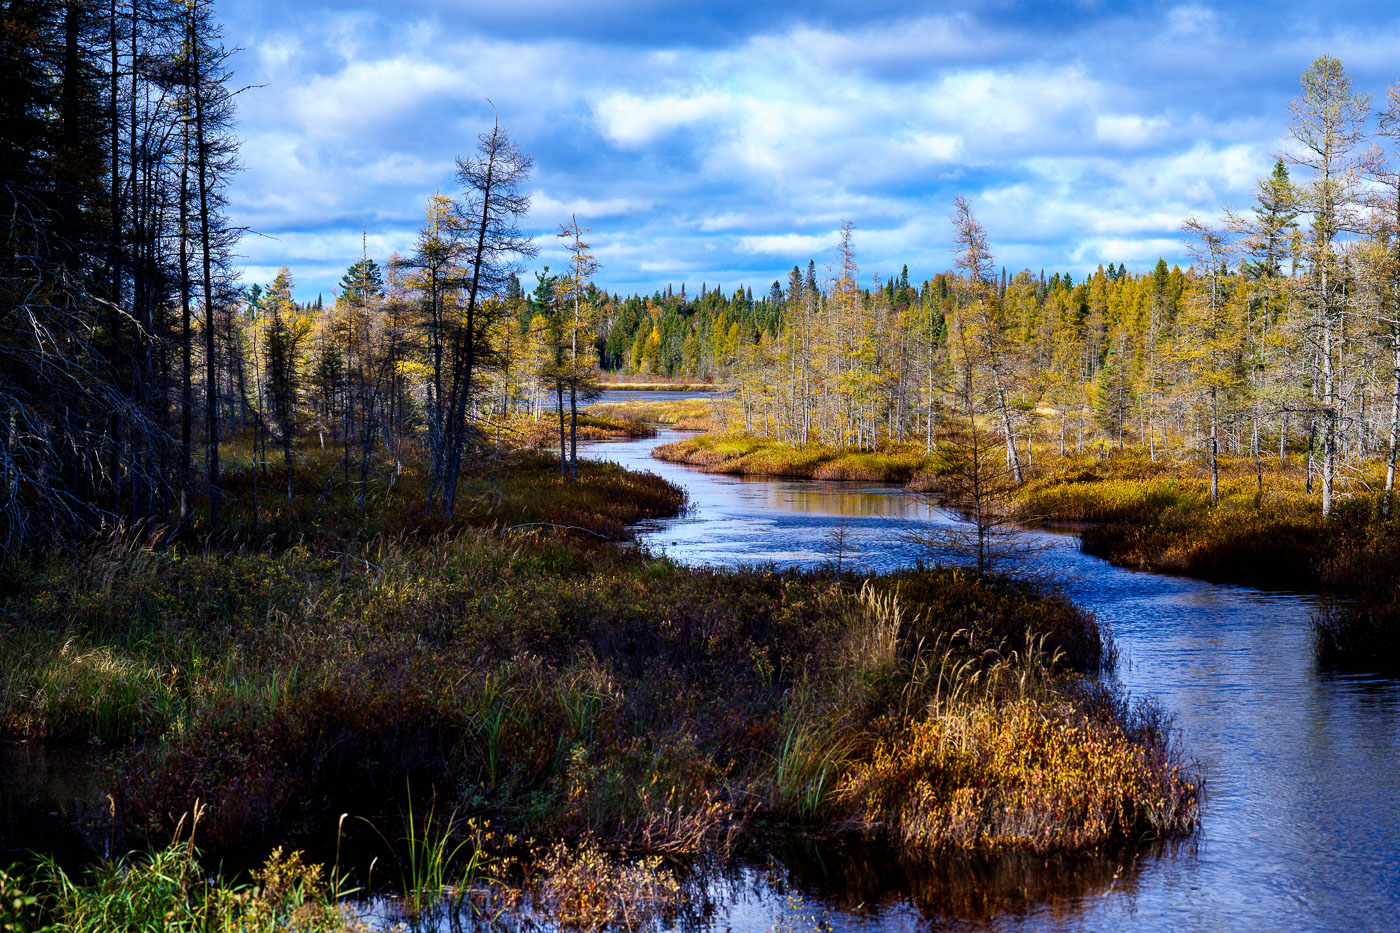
50 801
1301 824
828 498
815 886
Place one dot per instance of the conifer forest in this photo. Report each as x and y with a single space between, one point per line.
430 600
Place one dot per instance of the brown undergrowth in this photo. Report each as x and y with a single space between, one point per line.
563 687
557 687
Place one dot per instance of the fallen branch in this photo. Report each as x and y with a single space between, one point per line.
367 562
553 525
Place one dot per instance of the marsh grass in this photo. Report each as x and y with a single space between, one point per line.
552 687
743 454
559 686
682 414
584 888
1021 772
593 425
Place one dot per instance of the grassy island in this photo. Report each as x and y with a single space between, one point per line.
558 686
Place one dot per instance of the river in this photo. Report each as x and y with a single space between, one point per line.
1300 828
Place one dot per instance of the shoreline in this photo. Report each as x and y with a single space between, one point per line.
564 688
1130 511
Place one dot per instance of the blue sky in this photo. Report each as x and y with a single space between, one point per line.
725 142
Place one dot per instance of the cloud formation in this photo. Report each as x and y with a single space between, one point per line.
724 143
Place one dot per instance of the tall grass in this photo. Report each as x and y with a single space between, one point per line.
584 888
170 890
685 414
1022 772
558 686
551 687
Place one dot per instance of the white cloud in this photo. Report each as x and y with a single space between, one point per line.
365 95
1128 130
728 220
1191 20
631 120
1135 252
1000 107
719 161
918 41
588 210
787 244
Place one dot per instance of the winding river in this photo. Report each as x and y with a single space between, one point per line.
1301 822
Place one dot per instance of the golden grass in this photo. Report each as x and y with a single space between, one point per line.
757 456
685 414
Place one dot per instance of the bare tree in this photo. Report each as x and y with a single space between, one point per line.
975 479
573 290
494 180
993 352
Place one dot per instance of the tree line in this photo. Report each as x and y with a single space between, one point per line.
1283 335
131 358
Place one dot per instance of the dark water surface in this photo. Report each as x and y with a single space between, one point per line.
1301 822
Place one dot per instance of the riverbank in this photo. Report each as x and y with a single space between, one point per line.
564 688
1150 515
751 455
645 384
1157 515
543 433
682 414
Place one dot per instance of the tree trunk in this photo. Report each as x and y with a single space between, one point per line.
1391 448
211 363
573 428
1214 449
559 407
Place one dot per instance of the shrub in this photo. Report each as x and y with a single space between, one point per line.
1022 773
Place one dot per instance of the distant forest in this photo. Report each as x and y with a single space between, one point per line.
135 368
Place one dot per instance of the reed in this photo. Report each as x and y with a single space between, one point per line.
586 889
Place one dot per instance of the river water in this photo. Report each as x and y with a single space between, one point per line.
1300 828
